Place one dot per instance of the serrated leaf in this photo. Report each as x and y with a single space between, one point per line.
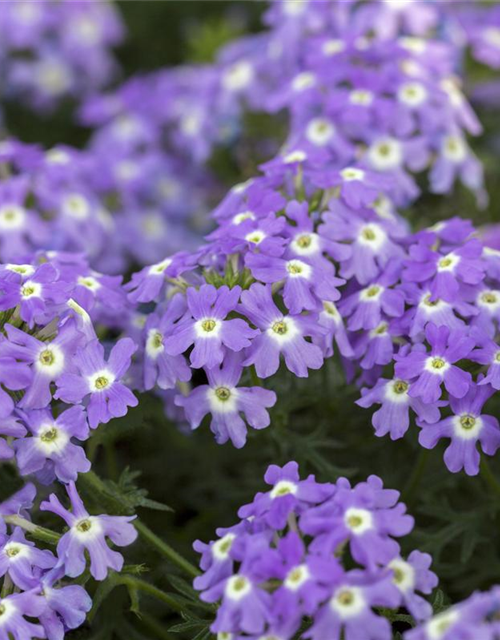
188 626
183 587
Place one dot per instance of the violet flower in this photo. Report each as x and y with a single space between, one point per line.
101 380
89 533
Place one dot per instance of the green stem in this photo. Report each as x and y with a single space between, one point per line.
416 476
151 590
40 533
489 477
165 549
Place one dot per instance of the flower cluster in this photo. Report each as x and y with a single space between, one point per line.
476 617
313 252
53 51
56 384
306 550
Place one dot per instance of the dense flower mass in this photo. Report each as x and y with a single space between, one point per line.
51 52
286 560
125 272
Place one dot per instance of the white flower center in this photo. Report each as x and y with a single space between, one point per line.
255 237
50 361
490 300
295 156
361 97
154 344
87 528
440 624
89 282
100 381
241 217
50 439
305 244
12 217
403 574
283 330
358 521
371 293
467 426
159 268
283 488
303 81
223 399
385 154
436 365
76 206
372 235
237 587
7 610
238 76
396 391
348 602
349 174
296 577
31 289
332 47
448 262
298 269
320 131
15 551
221 548
207 328
294 8
454 149
23 269
412 94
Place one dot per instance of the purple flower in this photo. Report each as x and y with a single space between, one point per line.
368 516
488 354
89 533
66 607
414 575
244 605
307 578
50 453
48 360
33 294
393 416
281 334
465 429
305 282
13 375
20 560
366 307
13 608
225 402
161 368
18 504
348 613
208 329
473 618
445 272
109 398
427 371
288 495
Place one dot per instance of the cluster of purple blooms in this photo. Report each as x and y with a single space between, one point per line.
313 252
308 260
57 385
53 51
324 552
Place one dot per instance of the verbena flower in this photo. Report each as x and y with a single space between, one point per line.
89 533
